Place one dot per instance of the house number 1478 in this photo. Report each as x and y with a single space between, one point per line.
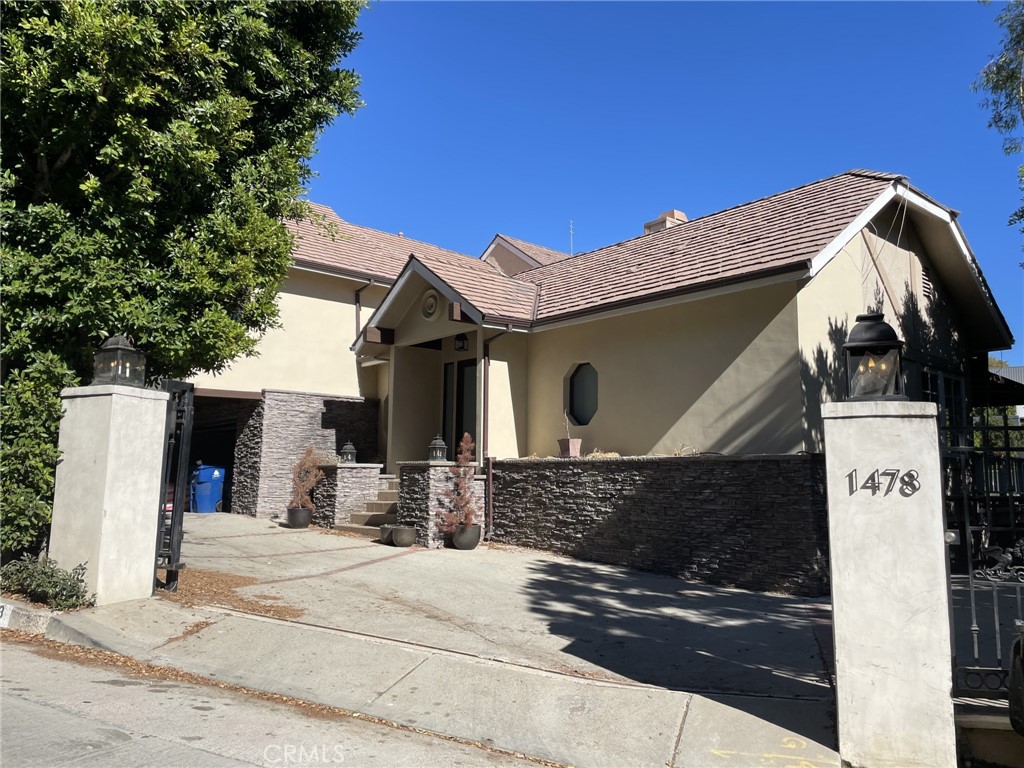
884 481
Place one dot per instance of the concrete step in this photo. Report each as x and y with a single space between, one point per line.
387 495
393 484
381 507
374 518
367 531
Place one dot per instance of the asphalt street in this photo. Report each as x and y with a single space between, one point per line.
60 713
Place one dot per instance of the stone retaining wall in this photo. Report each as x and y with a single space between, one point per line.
757 522
292 421
421 498
345 489
245 488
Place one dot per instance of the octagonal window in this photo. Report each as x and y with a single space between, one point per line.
583 393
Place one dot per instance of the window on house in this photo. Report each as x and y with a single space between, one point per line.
583 393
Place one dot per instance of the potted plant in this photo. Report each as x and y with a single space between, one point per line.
569 447
458 516
305 474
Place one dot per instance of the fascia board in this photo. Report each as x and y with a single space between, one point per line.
829 252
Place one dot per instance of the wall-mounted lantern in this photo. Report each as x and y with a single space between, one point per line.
118 362
348 453
437 450
874 360
461 343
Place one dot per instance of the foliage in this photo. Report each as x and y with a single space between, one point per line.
42 581
459 505
305 475
150 153
998 426
1002 79
30 411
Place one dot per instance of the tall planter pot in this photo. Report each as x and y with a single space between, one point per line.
299 517
569 447
466 536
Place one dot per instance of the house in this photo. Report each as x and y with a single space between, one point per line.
719 334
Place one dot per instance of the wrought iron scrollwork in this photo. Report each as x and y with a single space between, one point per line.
1008 566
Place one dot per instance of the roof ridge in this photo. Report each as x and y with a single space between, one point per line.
861 172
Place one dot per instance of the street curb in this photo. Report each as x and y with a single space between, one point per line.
25 618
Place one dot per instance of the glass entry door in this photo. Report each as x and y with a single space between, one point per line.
459 407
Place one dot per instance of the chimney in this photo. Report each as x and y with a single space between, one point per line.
666 220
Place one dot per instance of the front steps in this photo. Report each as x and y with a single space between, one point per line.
382 511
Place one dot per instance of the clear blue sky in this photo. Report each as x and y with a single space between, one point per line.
486 117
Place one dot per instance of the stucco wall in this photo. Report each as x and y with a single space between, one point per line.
310 352
872 272
415 403
507 406
720 374
752 522
507 261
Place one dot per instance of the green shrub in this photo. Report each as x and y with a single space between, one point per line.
41 581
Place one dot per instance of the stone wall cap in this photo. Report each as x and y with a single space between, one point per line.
558 461
350 465
102 390
883 409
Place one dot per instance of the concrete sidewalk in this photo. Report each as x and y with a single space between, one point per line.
572 662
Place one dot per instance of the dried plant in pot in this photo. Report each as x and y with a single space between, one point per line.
305 475
569 447
458 516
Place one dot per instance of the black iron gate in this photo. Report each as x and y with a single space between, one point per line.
984 499
175 482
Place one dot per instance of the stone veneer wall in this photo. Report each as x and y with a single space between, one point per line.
421 497
245 488
756 522
345 489
292 421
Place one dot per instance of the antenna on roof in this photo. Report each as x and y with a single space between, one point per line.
570 237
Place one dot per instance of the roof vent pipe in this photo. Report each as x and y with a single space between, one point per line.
666 220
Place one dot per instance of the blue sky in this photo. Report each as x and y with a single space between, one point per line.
485 117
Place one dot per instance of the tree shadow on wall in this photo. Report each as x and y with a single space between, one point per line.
690 637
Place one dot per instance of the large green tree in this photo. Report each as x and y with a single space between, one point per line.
1002 80
150 152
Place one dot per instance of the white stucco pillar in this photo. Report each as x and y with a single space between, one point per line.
890 594
108 488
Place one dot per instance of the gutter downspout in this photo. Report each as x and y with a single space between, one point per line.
489 528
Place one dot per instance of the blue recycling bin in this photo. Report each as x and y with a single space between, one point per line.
207 488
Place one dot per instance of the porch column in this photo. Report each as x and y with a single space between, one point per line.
890 585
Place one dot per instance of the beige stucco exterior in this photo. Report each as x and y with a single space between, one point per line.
890 278
310 351
507 260
719 374
508 379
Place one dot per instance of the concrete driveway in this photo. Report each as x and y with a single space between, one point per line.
758 652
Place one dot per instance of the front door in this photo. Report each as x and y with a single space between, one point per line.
459 407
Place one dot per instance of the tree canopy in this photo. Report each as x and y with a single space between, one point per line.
150 153
1002 79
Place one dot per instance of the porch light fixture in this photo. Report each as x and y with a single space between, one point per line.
348 453
437 450
461 343
874 358
118 362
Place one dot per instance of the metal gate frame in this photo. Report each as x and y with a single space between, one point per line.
984 507
178 441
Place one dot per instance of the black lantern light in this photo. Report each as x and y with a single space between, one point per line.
437 450
348 453
118 362
874 356
461 343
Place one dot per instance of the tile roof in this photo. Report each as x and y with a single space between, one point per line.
497 296
354 250
777 233
538 253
